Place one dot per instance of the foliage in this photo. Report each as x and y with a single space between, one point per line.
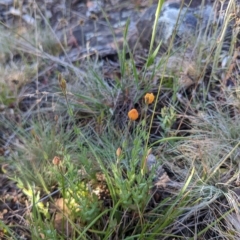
140 157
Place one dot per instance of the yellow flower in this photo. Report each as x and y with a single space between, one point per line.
133 114
149 98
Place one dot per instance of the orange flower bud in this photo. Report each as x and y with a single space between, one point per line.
149 98
56 160
133 114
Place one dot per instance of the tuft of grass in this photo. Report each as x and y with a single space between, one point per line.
89 172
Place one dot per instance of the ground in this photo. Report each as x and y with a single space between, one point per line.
104 135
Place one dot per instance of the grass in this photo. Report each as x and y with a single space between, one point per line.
82 170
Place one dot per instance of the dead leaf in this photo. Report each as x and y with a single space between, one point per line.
61 220
162 178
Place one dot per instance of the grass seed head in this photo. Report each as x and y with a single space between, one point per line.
62 83
118 152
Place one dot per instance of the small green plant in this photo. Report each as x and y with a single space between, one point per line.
129 183
79 195
33 198
167 119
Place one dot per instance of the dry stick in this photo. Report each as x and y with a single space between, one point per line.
37 43
232 65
